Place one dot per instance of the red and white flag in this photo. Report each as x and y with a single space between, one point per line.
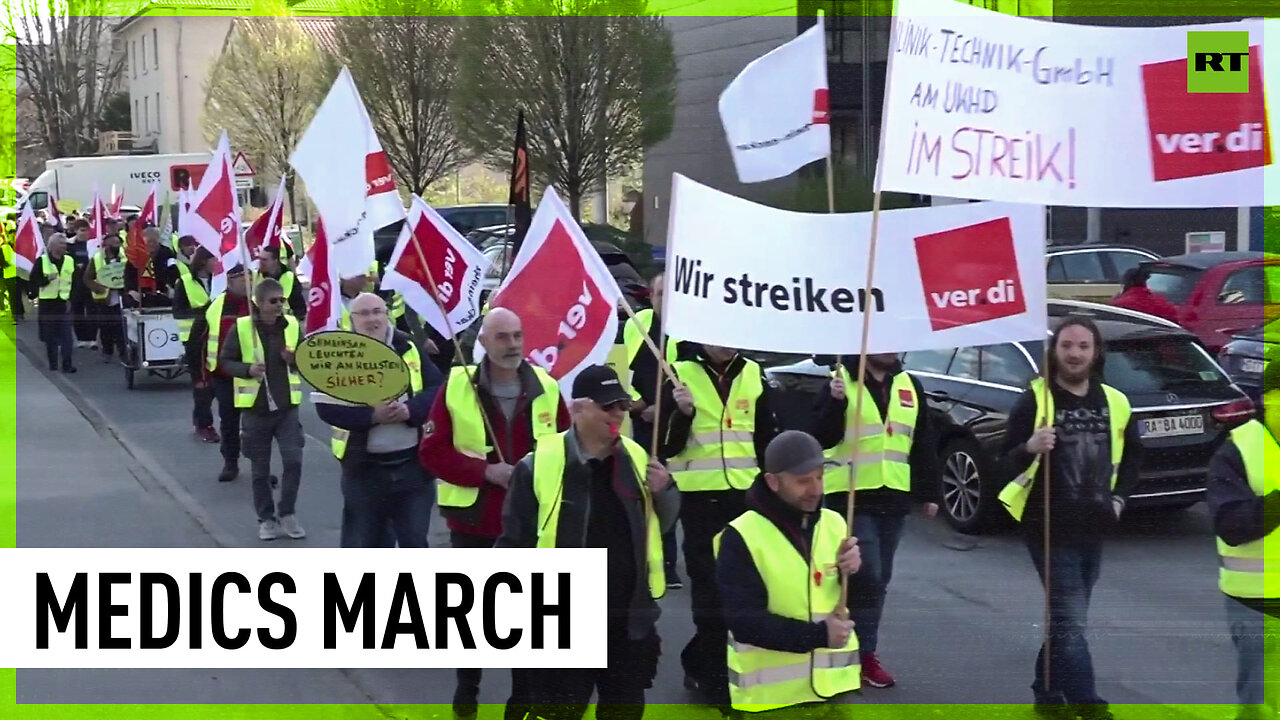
564 294
55 218
324 299
97 222
265 232
214 216
135 247
28 243
455 265
347 175
776 113
116 201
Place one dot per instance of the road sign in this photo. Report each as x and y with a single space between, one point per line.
241 166
244 183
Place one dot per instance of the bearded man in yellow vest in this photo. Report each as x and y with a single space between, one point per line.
788 649
718 419
590 487
1243 495
1088 436
897 468
510 406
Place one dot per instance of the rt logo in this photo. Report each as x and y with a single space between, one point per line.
1219 62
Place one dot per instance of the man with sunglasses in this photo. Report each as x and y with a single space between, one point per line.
604 491
259 356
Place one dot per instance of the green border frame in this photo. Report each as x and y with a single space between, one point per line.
8 395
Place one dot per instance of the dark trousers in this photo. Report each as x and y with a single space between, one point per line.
1073 570
228 417
375 497
669 556
519 704
702 516
58 337
563 694
82 315
878 537
202 401
110 328
13 287
259 430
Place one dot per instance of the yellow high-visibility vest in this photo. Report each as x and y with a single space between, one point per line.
1015 494
469 435
246 389
413 361
548 486
1252 570
721 451
885 445
213 316
60 287
197 299
762 679
633 335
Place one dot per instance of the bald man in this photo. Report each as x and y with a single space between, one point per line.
488 417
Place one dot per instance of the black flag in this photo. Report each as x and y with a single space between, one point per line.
519 198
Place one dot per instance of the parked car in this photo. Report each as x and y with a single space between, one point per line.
1094 273
1248 353
1218 295
465 218
634 287
1165 372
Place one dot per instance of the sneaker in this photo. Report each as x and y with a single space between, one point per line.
68 369
230 471
1054 711
673 580
268 530
466 703
873 673
208 434
1093 712
273 481
289 524
83 344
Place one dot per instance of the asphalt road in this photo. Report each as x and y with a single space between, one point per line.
962 625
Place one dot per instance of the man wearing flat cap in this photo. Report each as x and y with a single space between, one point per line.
589 487
790 651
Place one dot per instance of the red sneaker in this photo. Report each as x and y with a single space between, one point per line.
873 673
208 435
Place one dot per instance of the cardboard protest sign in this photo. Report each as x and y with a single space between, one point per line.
352 367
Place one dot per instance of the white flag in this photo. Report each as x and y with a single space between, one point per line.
456 267
214 216
347 176
776 112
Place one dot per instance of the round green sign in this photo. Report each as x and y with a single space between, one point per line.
352 367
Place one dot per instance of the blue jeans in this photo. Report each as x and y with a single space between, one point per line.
1073 572
377 497
878 537
1255 638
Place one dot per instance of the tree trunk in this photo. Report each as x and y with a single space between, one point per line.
575 204
289 180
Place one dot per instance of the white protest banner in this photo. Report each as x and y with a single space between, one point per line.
991 106
752 277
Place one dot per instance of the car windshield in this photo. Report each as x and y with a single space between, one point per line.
1161 364
1174 283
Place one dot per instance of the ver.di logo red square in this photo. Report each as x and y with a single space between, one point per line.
1196 134
970 274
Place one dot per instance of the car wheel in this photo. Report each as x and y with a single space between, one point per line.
968 498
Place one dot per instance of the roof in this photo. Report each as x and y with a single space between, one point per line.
320 29
1097 246
320 8
1116 323
1204 261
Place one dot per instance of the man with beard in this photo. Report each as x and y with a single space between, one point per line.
717 422
1087 435
897 467
474 433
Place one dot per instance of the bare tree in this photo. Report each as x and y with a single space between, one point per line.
400 53
263 91
67 65
596 79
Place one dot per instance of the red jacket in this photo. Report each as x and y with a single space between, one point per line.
443 460
1141 299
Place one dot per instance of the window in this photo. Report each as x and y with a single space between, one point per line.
135 119
133 58
1174 283
1243 287
1123 262
1005 365
146 114
934 361
1151 365
144 54
157 112
1056 272
155 53
1083 267
965 364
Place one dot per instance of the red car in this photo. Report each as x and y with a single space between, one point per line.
1219 294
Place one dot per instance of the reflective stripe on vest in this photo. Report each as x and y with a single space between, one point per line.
469 435
10 269
1244 571
60 288
762 679
413 361
1014 495
884 444
548 487
633 335
197 299
721 452
246 389
99 263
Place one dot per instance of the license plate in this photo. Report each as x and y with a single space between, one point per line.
1192 424
1251 366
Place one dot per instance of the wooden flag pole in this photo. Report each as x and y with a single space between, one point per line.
1048 617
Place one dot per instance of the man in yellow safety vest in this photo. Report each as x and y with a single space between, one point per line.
1243 494
591 487
1088 436
271 265
788 648
104 277
191 297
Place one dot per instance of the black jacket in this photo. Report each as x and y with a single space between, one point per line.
829 428
743 594
271 343
1239 515
520 519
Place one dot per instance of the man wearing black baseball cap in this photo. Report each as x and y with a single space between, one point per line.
788 645
608 494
